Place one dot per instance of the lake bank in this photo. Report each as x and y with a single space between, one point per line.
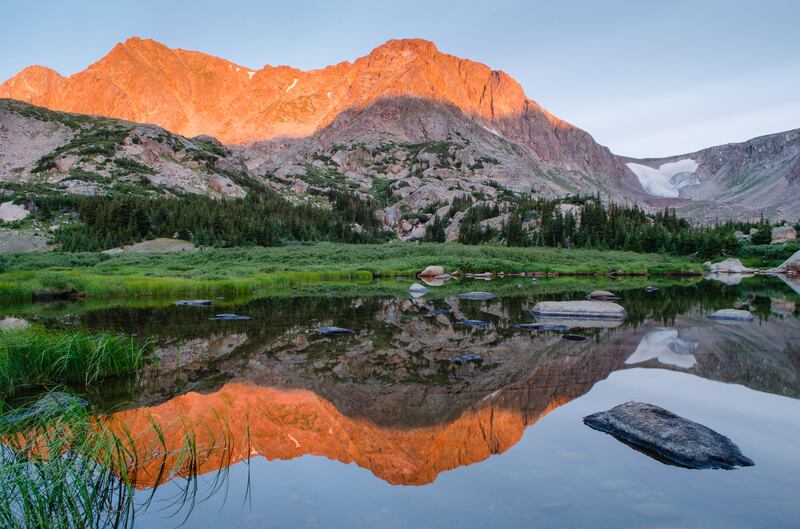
258 270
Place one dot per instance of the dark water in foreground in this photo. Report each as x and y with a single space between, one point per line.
383 430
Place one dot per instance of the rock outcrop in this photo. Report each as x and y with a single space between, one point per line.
790 266
667 437
729 266
783 234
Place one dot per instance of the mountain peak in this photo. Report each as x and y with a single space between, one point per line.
193 93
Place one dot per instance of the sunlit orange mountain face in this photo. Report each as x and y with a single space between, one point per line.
192 93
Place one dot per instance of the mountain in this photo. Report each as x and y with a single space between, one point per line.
737 180
407 125
191 93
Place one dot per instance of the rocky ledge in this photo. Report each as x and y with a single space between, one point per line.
667 437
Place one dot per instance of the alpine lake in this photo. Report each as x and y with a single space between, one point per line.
440 411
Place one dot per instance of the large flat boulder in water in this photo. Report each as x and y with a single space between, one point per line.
789 266
667 437
579 309
729 266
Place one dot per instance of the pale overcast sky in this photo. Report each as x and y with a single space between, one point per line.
644 78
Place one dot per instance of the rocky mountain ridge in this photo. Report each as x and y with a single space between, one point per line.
406 124
191 93
736 180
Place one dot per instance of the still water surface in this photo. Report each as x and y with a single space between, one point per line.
386 429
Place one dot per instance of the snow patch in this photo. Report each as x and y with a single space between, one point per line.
250 74
294 82
668 179
329 94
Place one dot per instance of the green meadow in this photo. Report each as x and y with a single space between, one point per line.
259 270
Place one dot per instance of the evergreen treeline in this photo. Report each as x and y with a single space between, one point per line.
617 227
261 218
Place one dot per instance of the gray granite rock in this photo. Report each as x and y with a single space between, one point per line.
732 314
667 437
579 309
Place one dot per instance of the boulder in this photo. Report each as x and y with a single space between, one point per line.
580 309
194 302
789 266
10 323
729 266
432 271
732 314
10 212
667 437
602 295
782 234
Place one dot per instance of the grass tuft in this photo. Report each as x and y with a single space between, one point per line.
36 357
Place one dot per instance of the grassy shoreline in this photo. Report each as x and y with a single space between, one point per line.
248 271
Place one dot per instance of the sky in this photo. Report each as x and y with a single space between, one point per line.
645 78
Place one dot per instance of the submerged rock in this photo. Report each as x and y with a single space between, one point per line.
194 302
543 327
474 323
580 309
574 337
732 315
650 289
667 437
333 331
230 317
476 295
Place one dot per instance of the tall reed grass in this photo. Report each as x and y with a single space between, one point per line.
61 468
38 357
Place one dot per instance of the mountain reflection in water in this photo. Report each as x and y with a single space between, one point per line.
388 398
